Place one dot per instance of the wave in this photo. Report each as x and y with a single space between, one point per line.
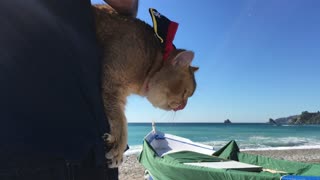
283 141
268 143
282 148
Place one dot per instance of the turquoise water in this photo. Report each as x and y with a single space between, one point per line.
248 135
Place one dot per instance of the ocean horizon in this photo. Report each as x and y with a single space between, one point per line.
249 136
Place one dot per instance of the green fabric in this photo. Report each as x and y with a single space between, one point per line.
229 151
170 167
189 157
294 168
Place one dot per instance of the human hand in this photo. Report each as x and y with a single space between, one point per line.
124 7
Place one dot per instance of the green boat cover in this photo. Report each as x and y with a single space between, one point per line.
171 167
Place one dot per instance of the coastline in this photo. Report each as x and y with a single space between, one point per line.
133 170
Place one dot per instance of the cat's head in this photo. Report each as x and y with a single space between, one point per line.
170 88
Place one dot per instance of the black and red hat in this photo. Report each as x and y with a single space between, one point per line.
165 30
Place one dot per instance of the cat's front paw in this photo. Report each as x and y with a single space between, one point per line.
116 149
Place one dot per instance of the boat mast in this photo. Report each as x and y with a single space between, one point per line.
153 126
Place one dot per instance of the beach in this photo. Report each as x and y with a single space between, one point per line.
131 169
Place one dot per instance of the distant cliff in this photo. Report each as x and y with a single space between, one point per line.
304 118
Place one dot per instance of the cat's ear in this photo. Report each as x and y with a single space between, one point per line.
194 69
183 59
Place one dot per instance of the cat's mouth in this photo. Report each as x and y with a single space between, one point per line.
180 106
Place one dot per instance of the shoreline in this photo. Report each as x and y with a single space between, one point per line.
133 170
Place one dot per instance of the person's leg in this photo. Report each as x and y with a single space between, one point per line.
51 104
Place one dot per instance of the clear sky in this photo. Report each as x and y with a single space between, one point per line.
257 59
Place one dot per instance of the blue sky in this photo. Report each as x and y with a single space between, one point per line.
257 59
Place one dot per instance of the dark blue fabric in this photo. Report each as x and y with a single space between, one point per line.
50 100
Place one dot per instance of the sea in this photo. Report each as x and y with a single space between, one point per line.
249 136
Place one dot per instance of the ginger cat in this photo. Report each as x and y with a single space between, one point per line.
133 63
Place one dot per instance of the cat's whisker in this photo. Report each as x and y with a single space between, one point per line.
174 115
171 116
163 115
166 118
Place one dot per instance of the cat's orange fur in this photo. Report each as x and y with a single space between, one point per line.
133 64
